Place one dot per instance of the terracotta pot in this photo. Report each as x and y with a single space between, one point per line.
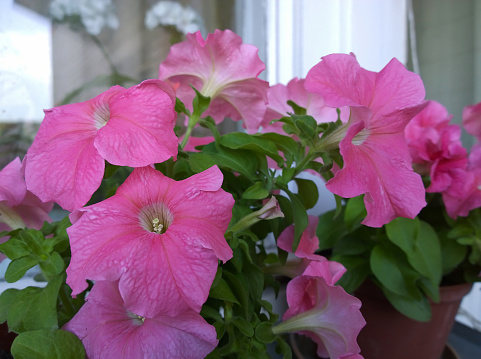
389 334
6 337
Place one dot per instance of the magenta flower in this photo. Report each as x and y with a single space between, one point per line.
160 237
223 68
435 146
308 263
109 328
126 127
472 120
277 106
19 208
376 158
324 313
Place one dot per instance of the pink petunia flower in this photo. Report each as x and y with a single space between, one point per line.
277 106
376 158
308 263
324 313
109 328
126 127
160 237
472 120
223 68
435 146
19 208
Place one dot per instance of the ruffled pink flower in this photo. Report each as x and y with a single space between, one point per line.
127 127
223 68
376 158
472 120
307 262
324 313
435 146
109 328
19 208
160 237
277 106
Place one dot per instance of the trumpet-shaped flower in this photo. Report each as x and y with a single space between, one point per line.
19 208
126 127
376 158
222 68
277 106
109 328
324 313
307 262
161 238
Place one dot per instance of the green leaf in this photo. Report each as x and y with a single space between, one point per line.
18 267
263 333
357 272
256 191
244 326
414 308
452 253
34 308
393 271
14 248
7 299
355 212
307 192
180 107
290 148
53 265
420 243
48 344
300 218
200 103
241 161
306 125
298 110
330 229
222 291
259 144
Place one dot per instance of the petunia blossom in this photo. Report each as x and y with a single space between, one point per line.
19 208
109 328
222 68
472 120
277 106
324 313
160 237
307 262
435 146
376 158
127 127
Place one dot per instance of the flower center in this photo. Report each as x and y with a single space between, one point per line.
360 137
156 218
101 115
136 319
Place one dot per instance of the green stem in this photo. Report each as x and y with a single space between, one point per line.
193 120
64 297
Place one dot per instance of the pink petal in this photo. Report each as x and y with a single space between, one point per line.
309 242
12 183
140 130
334 315
109 329
472 120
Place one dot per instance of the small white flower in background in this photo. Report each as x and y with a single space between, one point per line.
94 14
171 13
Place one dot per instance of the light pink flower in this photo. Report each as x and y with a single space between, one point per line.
109 328
19 208
193 142
277 106
376 158
307 262
435 146
126 127
160 237
223 68
472 120
324 313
